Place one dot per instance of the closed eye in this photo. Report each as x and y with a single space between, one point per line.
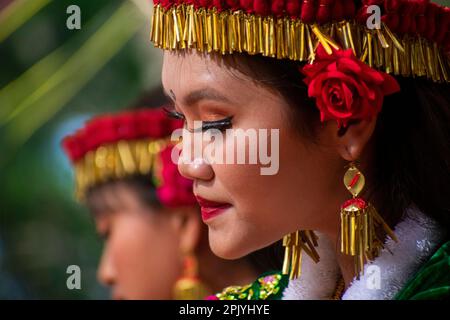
173 114
221 124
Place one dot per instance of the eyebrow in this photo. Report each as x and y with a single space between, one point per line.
201 94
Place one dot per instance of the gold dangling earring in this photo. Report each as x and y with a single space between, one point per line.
359 220
189 286
294 243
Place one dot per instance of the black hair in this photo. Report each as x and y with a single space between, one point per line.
141 186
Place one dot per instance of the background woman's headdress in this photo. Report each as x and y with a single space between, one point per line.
130 143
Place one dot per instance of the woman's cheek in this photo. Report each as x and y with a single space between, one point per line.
146 258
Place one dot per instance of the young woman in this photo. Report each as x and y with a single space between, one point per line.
363 118
155 242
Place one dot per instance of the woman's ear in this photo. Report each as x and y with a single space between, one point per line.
188 225
350 141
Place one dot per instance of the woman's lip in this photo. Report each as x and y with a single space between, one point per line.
210 208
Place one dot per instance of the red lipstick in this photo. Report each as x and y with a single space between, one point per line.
210 208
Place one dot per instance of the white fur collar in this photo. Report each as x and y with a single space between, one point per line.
318 280
418 236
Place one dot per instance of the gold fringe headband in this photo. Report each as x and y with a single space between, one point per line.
117 160
207 30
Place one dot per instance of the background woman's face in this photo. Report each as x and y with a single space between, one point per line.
141 257
261 208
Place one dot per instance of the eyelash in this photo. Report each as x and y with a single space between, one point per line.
221 125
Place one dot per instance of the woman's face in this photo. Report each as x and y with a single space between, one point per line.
255 210
141 257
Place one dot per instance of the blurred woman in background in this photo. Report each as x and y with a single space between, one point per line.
156 245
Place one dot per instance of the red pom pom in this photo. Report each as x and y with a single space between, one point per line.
152 123
166 3
125 126
362 14
430 15
407 12
349 9
261 7
309 8
444 25
420 17
392 17
247 6
73 147
324 10
338 12
233 4
391 5
100 130
220 5
293 8
278 7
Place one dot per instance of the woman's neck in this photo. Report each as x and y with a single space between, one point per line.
219 273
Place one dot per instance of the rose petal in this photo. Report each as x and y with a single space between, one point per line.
390 85
348 96
349 65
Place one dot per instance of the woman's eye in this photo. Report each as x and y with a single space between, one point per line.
220 125
174 114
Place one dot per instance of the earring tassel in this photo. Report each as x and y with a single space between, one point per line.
294 245
359 222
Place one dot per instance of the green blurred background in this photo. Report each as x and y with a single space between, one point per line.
51 80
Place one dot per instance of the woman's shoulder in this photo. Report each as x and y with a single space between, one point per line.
268 286
432 281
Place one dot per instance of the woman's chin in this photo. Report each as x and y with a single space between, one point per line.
231 247
225 248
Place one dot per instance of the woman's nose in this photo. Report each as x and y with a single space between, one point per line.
195 169
106 273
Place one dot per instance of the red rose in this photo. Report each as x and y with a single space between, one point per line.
346 88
